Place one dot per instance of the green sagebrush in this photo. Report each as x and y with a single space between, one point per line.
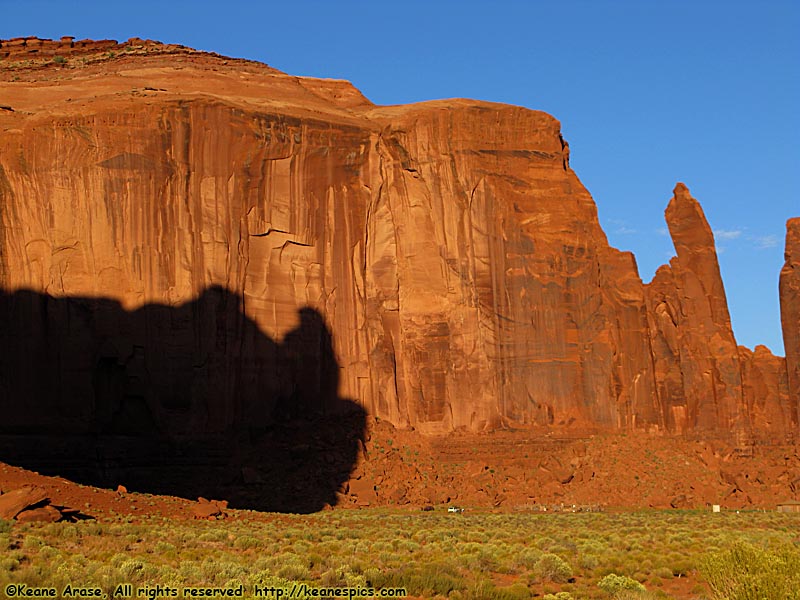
748 572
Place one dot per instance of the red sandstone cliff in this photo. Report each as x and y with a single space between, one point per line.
455 256
698 371
790 311
766 393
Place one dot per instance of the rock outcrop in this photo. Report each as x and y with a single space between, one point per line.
32 48
453 257
697 361
15 501
31 503
766 394
790 311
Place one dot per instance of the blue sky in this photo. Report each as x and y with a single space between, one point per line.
648 93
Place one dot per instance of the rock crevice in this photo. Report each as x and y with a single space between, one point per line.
453 254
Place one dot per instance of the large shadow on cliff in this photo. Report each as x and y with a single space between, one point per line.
188 400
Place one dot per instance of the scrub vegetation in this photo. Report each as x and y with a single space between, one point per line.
474 555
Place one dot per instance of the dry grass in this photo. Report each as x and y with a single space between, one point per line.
474 555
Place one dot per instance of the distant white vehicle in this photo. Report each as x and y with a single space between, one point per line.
455 509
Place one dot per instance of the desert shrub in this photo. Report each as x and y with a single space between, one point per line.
374 577
342 576
48 553
8 564
485 590
294 569
190 572
590 561
641 595
592 546
314 559
131 569
551 567
389 559
481 589
747 572
106 576
613 584
220 571
168 576
564 547
332 547
264 578
558 596
431 578
477 590
484 560
5 526
468 547
245 542
381 546
407 546
425 554
545 543
516 591
32 541
213 535
527 558
682 567
301 547
663 573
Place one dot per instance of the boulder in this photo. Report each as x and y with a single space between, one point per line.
209 509
44 514
15 501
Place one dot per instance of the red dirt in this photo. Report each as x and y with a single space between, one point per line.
534 469
509 471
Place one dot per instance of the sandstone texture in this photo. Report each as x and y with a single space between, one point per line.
33 503
697 360
563 470
15 501
766 394
195 244
790 310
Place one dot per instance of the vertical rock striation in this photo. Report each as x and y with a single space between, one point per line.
492 294
766 394
790 313
698 372
452 260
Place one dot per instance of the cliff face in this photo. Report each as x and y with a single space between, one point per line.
767 402
455 259
790 309
698 370
491 293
